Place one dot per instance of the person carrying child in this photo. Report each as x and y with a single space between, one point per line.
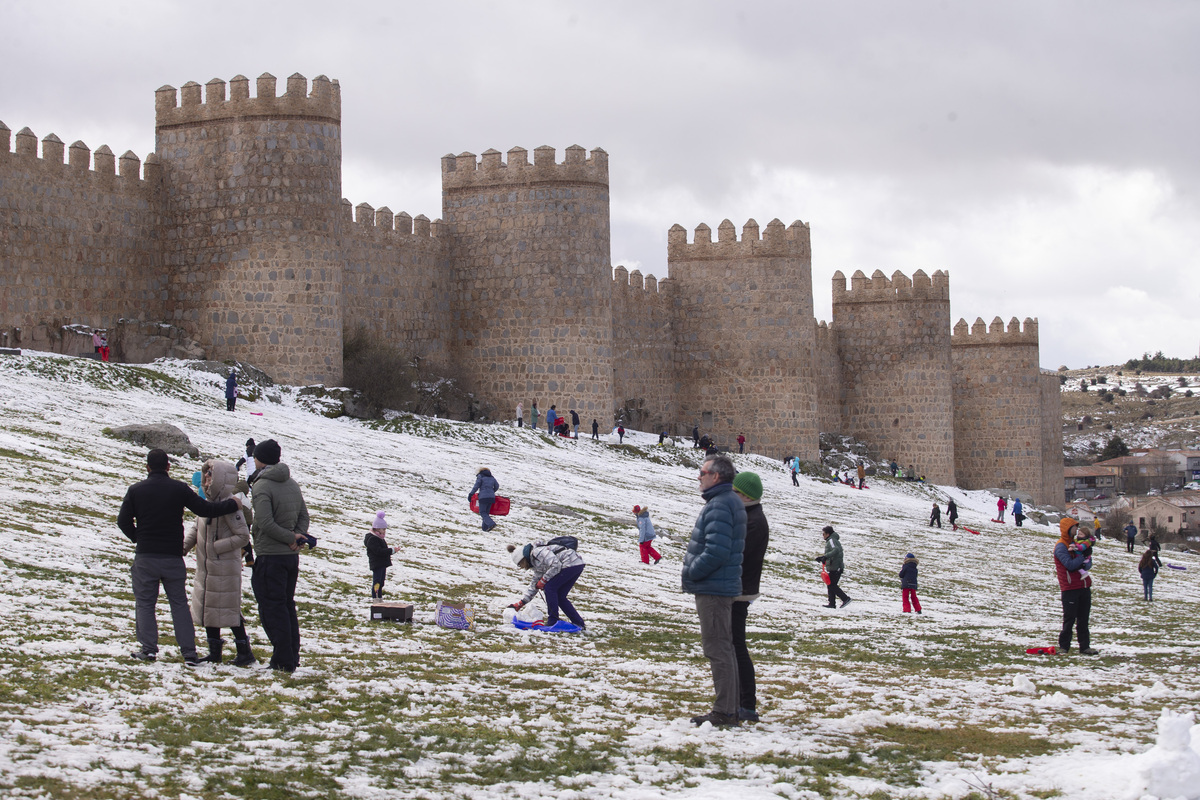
555 567
646 534
908 585
379 554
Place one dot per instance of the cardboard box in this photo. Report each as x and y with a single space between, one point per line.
393 612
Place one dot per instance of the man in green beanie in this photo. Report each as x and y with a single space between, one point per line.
748 487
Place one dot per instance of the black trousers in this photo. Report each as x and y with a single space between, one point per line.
747 691
274 583
835 591
1077 608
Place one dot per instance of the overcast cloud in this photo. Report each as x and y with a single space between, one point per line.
1043 153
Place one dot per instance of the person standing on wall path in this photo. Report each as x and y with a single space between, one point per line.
620 434
231 390
748 487
695 436
280 527
520 414
862 475
533 416
1001 505
741 440
834 565
551 419
151 517
712 571
575 422
596 430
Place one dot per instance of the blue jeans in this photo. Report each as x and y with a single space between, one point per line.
556 595
485 511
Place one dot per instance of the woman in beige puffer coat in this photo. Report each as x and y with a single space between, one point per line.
217 587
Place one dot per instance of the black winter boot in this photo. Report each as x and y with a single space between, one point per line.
214 650
245 656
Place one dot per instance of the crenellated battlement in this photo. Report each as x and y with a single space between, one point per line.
776 240
192 104
463 171
365 217
980 334
880 289
79 159
633 281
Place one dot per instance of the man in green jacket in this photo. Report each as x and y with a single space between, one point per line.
833 565
280 528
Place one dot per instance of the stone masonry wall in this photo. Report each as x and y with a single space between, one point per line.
533 280
744 336
396 283
997 406
894 341
827 368
643 352
1052 440
253 217
78 244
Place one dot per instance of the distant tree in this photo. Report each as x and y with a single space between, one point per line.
1103 379
1182 381
1062 379
1107 397
1083 385
1114 449
1188 393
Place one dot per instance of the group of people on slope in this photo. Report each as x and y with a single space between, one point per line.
277 521
554 423
935 516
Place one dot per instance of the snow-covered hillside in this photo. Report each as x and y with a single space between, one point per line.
858 702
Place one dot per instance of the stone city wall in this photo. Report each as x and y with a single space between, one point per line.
80 242
997 406
744 335
396 283
827 368
1052 441
894 341
643 352
253 222
533 280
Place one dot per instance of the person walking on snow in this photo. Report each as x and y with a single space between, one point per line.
748 487
935 518
151 517
217 585
712 571
1071 564
952 513
794 466
1001 504
1018 511
596 430
741 440
486 487
646 534
1148 569
620 434
231 390
555 569
908 585
834 565
379 554
1131 532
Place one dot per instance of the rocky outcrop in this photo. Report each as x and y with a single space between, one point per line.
162 436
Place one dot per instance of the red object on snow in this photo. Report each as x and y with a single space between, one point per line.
1042 651
998 520
256 413
499 508
969 530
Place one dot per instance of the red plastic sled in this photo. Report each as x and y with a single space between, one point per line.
499 508
825 578
1042 651
969 530
999 521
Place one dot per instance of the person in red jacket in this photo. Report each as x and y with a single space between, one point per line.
741 440
1001 504
1072 560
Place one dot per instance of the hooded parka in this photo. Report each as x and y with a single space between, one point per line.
218 541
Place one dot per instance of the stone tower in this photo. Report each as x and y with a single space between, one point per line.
529 244
893 337
745 335
252 222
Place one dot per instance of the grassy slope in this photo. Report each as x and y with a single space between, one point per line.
862 702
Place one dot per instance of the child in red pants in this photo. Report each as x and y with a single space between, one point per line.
908 584
646 534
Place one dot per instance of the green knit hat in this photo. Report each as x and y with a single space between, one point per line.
748 484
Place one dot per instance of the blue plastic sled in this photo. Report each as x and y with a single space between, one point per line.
558 627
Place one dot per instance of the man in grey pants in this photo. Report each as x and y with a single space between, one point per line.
152 517
712 571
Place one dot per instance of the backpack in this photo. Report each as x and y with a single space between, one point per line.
569 542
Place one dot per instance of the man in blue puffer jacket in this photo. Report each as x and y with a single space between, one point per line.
712 570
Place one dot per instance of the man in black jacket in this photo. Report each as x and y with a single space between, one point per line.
748 486
152 517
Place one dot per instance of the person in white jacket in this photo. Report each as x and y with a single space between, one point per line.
555 568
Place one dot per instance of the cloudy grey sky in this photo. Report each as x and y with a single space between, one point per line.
1044 153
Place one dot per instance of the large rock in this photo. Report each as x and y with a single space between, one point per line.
136 342
162 436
